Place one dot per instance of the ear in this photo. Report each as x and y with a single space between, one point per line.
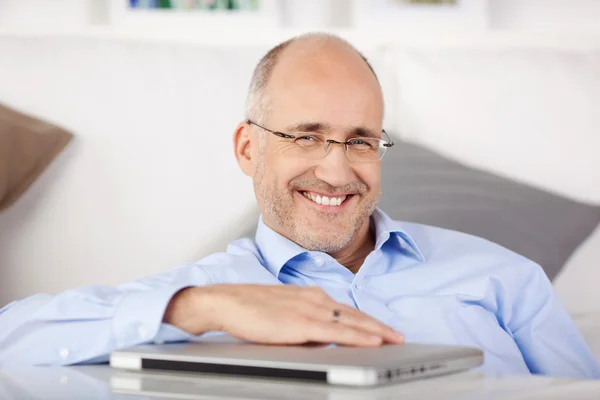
242 147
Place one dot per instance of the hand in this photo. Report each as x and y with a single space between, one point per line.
273 314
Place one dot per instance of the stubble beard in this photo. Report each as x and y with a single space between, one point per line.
280 213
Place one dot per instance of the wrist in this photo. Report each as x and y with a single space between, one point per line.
194 310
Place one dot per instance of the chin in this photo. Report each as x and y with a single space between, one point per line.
320 238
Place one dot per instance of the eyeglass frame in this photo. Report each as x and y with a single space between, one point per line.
328 142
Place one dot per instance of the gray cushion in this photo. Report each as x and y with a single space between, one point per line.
422 186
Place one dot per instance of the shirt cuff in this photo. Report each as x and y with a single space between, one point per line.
169 333
139 317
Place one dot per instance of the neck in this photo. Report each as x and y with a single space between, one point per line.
353 256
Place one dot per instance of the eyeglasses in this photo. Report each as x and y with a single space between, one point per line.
314 145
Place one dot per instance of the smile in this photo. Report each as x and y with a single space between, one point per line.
325 200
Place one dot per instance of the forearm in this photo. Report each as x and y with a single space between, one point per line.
88 323
65 329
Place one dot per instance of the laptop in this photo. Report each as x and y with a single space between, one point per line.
337 365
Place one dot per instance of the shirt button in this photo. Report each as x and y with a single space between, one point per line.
64 353
319 260
64 380
358 286
143 332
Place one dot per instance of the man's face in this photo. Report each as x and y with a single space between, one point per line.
337 102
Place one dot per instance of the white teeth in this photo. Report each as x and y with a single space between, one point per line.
324 200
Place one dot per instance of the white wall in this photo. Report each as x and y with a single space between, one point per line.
44 14
546 15
565 15
314 14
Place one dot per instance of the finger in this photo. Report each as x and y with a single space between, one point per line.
357 319
327 332
349 316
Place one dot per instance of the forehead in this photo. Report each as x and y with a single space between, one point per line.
334 88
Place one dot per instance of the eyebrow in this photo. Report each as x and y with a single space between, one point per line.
357 131
308 127
360 131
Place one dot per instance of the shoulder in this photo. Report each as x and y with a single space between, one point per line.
476 269
434 240
469 254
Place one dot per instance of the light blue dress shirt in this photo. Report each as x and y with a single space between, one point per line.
434 285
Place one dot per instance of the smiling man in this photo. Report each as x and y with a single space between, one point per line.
318 183
326 265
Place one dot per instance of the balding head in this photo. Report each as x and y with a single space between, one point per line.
301 48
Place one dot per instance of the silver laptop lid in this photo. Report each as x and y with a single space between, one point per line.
227 350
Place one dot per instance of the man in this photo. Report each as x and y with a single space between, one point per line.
312 143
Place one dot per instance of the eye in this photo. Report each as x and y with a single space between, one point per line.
362 144
306 137
308 140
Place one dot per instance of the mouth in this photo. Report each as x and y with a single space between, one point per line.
327 202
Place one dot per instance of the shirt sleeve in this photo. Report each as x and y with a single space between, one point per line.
84 325
545 333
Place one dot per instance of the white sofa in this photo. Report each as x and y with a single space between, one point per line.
150 180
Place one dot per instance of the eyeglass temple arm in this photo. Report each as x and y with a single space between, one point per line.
280 134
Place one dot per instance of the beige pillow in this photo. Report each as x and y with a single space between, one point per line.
27 147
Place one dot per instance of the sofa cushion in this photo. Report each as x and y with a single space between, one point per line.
422 186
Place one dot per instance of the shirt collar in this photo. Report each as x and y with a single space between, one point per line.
276 250
388 229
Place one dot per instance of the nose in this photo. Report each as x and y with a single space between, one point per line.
335 168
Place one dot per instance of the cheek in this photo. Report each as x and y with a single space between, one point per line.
285 169
371 175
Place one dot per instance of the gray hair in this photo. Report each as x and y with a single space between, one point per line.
257 102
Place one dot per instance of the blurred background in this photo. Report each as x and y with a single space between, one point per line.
238 16
495 102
